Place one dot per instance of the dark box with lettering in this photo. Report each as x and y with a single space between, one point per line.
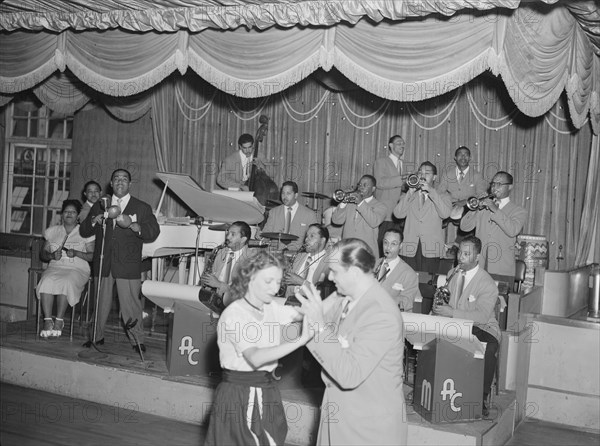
448 383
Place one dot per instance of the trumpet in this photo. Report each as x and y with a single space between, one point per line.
475 203
442 294
413 181
351 196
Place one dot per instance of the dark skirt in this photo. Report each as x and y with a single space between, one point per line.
247 411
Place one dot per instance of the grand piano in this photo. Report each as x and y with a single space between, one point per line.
186 235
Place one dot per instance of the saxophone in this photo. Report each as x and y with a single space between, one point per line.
207 294
442 294
289 266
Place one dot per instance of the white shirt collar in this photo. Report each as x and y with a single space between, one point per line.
469 275
392 263
366 200
124 201
503 202
464 171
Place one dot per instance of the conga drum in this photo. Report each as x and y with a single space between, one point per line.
533 250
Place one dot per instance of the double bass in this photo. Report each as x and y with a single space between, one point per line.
259 182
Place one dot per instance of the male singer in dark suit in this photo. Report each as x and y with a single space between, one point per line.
310 266
235 169
291 217
390 181
362 219
395 275
122 260
473 296
228 260
497 224
424 209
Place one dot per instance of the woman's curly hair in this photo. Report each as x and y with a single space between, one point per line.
250 265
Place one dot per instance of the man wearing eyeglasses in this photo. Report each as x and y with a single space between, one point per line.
497 223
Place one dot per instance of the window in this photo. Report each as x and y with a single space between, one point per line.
38 171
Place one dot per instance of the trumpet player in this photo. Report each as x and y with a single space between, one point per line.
424 209
473 295
497 222
361 217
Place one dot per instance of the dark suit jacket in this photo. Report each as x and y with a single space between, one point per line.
123 247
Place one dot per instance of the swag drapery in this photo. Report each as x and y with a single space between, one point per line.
538 50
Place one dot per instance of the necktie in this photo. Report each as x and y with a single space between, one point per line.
288 220
345 309
461 176
460 282
306 267
422 194
400 167
228 267
385 269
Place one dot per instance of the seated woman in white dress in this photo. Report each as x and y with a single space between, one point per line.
68 271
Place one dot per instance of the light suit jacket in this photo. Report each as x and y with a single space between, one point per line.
472 185
389 184
423 223
477 302
362 221
498 232
402 284
230 171
361 356
319 276
221 261
303 218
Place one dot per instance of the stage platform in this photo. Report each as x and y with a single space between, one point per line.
117 377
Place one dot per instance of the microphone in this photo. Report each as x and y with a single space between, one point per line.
104 202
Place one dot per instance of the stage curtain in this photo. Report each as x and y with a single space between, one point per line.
326 140
538 51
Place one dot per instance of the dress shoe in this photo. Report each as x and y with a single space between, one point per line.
141 347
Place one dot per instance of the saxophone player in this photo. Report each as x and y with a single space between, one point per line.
310 266
473 296
227 260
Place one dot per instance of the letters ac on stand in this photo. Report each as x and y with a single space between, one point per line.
449 379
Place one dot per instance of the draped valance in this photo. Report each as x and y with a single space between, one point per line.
398 51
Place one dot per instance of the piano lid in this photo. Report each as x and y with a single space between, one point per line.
209 205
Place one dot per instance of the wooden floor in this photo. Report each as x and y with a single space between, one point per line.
32 417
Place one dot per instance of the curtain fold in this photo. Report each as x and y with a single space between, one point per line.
538 51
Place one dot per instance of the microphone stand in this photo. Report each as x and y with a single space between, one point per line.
92 342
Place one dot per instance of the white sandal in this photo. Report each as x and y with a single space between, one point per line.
59 324
48 329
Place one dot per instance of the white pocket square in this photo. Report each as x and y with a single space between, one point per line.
397 287
343 341
472 298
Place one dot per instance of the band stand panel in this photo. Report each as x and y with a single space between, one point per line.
448 383
192 347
